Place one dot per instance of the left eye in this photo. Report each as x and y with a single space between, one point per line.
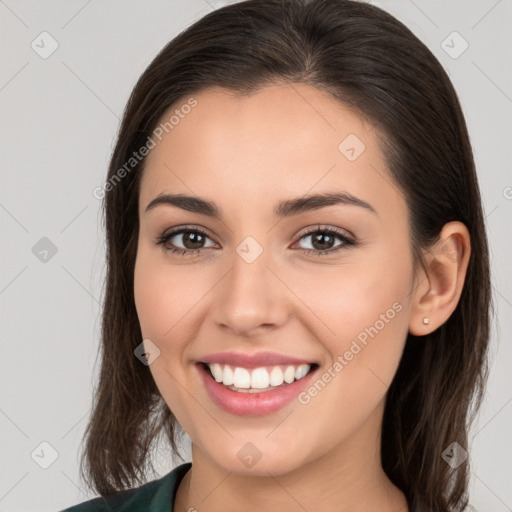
323 238
321 241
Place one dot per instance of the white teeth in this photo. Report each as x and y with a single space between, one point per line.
289 374
258 378
227 376
301 371
276 376
217 371
241 378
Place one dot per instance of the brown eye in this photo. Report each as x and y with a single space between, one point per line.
323 241
193 240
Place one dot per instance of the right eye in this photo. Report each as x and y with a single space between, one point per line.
194 236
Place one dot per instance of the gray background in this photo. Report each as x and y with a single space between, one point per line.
60 115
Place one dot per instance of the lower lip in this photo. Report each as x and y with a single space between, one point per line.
252 404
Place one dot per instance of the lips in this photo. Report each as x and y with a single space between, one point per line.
253 360
231 387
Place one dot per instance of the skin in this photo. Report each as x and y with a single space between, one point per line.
246 154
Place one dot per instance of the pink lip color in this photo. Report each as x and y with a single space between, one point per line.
253 360
252 404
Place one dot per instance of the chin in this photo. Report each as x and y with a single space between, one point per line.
258 459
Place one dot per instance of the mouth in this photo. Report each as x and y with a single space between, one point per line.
255 391
257 380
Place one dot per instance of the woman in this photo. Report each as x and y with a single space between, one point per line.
296 251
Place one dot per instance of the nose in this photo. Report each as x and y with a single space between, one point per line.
252 299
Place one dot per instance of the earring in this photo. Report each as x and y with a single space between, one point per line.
426 320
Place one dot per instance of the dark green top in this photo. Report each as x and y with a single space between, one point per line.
155 496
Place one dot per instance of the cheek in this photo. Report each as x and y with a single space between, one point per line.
366 310
149 302
349 300
164 298
361 318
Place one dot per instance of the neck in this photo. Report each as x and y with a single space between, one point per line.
348 477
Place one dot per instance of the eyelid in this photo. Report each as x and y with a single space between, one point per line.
325 227
305 231
176 230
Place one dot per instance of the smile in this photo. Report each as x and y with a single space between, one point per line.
244 380
255 391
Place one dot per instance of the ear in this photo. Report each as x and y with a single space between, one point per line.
438 287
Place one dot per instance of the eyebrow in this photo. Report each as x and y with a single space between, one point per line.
283 209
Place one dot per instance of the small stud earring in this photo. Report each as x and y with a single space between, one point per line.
426 320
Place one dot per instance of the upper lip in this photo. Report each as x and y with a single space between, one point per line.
253 360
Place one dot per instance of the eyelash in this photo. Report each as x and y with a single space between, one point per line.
165 237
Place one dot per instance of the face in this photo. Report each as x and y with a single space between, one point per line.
257 289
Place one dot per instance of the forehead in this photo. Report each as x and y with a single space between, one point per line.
280 141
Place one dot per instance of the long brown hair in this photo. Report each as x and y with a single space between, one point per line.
371 61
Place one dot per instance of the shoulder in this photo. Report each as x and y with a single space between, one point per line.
155 496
